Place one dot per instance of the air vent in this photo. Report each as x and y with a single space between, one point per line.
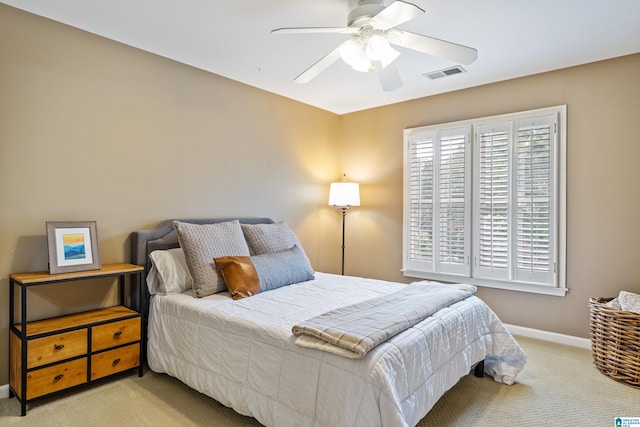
444 73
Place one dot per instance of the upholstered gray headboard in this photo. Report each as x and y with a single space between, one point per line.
164 236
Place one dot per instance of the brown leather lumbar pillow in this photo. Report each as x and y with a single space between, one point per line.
239 275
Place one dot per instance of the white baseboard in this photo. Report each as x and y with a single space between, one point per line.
550 336
4 391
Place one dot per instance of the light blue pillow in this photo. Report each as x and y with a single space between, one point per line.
282 268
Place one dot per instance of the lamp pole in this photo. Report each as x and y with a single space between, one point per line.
344 214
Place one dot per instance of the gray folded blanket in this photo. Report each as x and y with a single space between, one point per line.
353 330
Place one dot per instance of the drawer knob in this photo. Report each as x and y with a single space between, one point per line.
58 377
115 362
117 334
58 346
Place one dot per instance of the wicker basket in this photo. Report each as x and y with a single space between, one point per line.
615 341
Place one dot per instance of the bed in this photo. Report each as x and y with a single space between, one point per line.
242 352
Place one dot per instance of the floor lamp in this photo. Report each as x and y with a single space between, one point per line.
343 195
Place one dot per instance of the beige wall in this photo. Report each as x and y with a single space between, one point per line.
603 183
94 130
214 147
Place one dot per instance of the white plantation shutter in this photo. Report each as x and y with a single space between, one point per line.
421 152
438 229
534 237
453 197
512 225
493 143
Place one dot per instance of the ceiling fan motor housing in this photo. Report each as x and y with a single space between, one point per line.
361 15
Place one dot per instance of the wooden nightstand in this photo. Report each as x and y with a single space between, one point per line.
50 355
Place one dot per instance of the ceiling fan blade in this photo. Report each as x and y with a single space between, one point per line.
396 13
432 46
322 64
310 30
389 76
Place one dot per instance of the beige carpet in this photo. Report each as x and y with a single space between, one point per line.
558 387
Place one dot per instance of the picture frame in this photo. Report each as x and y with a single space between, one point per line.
73 246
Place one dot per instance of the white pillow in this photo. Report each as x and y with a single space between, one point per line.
168 273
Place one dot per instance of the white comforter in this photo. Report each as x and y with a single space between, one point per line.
242 353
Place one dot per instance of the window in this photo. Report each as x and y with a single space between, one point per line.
485 201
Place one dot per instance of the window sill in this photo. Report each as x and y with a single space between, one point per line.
485 283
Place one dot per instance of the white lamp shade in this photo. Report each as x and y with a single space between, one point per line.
344 194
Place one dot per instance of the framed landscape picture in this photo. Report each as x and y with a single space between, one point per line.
73 246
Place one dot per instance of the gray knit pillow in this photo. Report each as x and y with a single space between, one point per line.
203 242
269 238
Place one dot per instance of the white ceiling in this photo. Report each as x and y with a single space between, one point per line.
233 39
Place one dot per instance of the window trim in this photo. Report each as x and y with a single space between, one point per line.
560 178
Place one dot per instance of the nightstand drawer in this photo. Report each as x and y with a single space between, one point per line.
113 361
115 333
58 377
55 348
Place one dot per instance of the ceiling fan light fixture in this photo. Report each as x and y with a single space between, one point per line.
379 49
350 50
376 47
353 53
362 64
361 53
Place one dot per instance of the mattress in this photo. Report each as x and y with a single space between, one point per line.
242 353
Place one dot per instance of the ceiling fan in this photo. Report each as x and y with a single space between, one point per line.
372 27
